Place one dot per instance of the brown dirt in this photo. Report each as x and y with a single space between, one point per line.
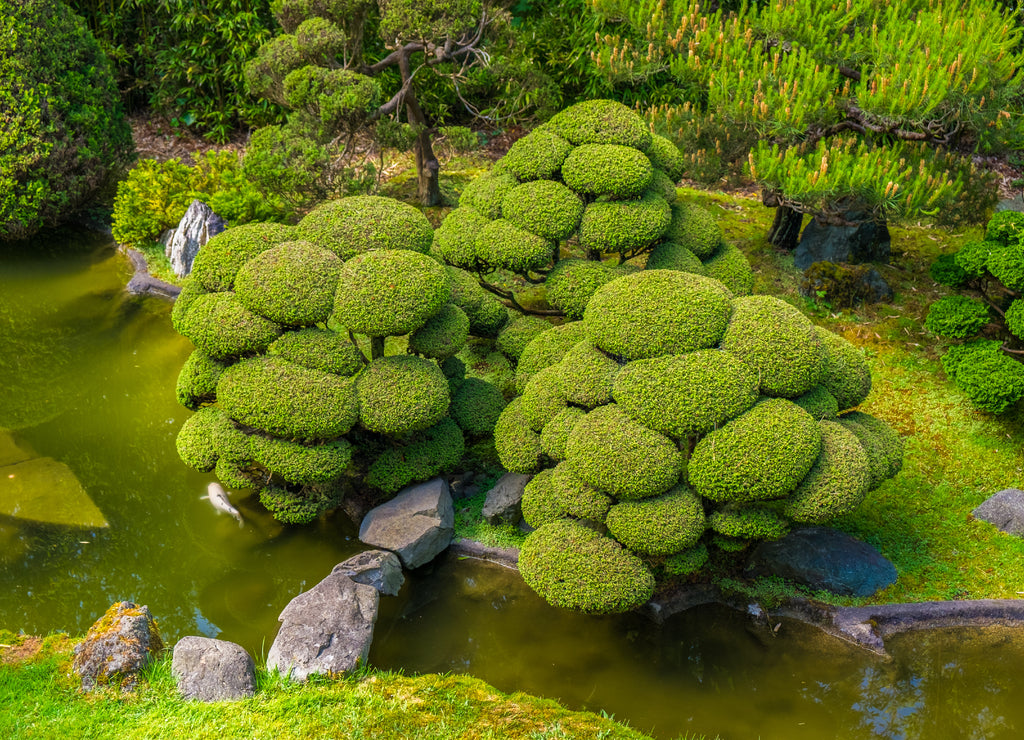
21 651
155 138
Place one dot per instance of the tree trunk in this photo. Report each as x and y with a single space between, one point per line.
785 230
427 166
376 347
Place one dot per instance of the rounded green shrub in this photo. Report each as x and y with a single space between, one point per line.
197 381
687 562
838 481
555 435
518 333
1007 266
779 342
760 455
195 440
685 395
455 370
401 393
973 257
956 317
819 403
1014 318
663 186
517 445
389 292
319 349
442 335
846 375
487 315
586 374
297 507
299 463
292 284
502 244
993 381
662 525
190 290
749 523
455 239
430 452
542 398
234 475
946 271
1005 227
221 327
657 312
537 156
545 349
672 256
220 259
365 223
232 444
607 169
601 122
619 457
695 228
624 226
543 207
572 282
665 155
729 265
558 493
486 193
573 567
880 442
288 400
476 406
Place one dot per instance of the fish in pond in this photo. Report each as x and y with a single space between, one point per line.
219 498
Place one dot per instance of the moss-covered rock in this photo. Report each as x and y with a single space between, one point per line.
547 349
749 523
486 193
665 155
517 445
729 265
555 435
455 239
288 400
502 244
292 284
442 335
846 374
686 395
220 259
661 525
195 439
572 282
601 122
586 374
673 256
779 342
575 567
221 327
693 227
624 226
319 349
476 406
430 452
607 169
197 381
401 393
537 156
657 312
543 207
299 463
619 457
389 293
819 403
881 442
760 455
365 223
542 398
518 333
838 481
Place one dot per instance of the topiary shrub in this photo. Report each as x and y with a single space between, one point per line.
558 493
292 284
218 262
400 394
660 525
365 223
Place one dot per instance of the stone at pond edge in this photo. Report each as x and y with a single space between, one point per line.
212 670
325 630
863 242
504 502
822 558
1004 510
196 228
120 644
416 525
378 568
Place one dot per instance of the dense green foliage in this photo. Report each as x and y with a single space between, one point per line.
64 135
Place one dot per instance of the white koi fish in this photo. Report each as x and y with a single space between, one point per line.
217 496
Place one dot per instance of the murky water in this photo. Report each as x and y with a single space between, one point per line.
87 379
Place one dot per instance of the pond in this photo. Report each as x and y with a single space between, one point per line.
88 377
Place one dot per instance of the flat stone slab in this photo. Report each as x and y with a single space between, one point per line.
46 491
1004 510
417 524
213 670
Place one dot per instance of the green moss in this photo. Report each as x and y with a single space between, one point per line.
555 435
973 257
572 282
197 381
487 315
431 452
686 395
956 317
517 445
601 122
220 259
657 312
365 223
476 406
195 439
558 493
288 400
297 507
542 398
762 454
946 271
586 374
672 256
882 444
455 239
502 244
299 463
442 335
687 562
574 567
1005 227
547 349
619 457
749 523
838 481
537 156
401 393
292 284
518 333
819 403
779 342
543 207
221 327
695 228
662 525
607 169
665 155
486 193
730 266
319 349
389 293
624 226
847 375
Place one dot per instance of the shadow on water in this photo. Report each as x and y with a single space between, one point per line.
88 381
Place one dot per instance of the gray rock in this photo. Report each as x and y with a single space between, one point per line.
327 629
120 644
378 568
504 502
867 241
459 484
1004 510
416 525
142 283
1016 203
212 670
824 558
196 228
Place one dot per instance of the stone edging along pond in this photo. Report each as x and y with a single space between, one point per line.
864 626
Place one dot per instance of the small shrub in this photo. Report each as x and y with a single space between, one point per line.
956 317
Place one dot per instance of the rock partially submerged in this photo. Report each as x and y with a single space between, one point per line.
378 568
120 644
213 670
1004 511
416 525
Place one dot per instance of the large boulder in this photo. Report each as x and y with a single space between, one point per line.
822 558
866 241
378 568
504 502
197 226
1004 510
325 630
212 670
416 525
120 644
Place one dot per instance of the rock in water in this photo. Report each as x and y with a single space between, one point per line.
378 568
1004 510
44 490
327 629
120 644
196 228
416 525
212 670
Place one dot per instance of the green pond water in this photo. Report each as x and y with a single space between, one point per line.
87 384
